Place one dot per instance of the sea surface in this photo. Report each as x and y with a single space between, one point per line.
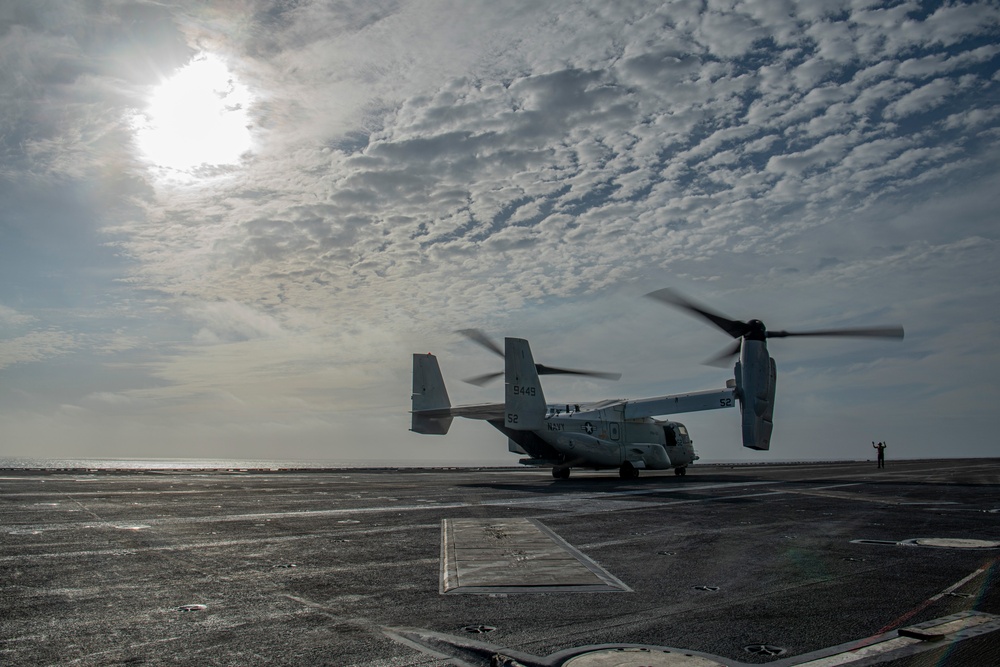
23 463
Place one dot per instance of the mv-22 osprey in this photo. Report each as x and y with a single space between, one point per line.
622 434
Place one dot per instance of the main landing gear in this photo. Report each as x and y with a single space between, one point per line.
628 471
560 473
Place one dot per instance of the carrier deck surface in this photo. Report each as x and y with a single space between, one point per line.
814 564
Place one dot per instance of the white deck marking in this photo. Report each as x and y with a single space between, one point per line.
515 555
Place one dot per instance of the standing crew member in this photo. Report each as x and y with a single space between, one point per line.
881 453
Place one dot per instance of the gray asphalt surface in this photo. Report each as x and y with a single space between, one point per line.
343 567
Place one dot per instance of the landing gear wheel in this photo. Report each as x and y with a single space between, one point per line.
560 473
680 471
628 471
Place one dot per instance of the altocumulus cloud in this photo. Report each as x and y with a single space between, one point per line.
529 168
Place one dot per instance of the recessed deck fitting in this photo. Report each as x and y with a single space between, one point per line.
479 629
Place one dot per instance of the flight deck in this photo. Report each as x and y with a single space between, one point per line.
813 564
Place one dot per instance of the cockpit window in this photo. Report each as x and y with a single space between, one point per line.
671 437
682 429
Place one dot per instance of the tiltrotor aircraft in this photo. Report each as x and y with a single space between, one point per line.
622 434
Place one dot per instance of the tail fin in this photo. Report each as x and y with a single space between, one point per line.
429 400
524 401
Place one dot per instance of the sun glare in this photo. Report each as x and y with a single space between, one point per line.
197 118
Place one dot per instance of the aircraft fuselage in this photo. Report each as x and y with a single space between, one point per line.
602 438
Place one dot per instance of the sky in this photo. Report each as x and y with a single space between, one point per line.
226 227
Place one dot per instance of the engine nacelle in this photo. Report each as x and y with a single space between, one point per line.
756 376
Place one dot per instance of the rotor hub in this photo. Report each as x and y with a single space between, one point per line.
755 330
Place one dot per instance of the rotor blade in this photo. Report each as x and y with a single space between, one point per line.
482 380
734 328
867 332
478 336
723 358
549 370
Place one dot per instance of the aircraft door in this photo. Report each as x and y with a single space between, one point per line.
613 423
613 419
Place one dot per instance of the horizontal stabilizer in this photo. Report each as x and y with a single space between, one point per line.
432 412
429 425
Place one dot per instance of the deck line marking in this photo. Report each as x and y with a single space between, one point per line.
934 598
879 640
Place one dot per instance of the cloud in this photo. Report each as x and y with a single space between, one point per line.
829 150
922 99
418 168
231 321
36 346
110 398
11 318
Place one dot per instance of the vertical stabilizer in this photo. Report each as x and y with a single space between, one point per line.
523 398
429 395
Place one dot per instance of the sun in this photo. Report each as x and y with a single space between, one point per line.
197 118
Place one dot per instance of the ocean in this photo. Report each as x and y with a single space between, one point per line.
24 463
